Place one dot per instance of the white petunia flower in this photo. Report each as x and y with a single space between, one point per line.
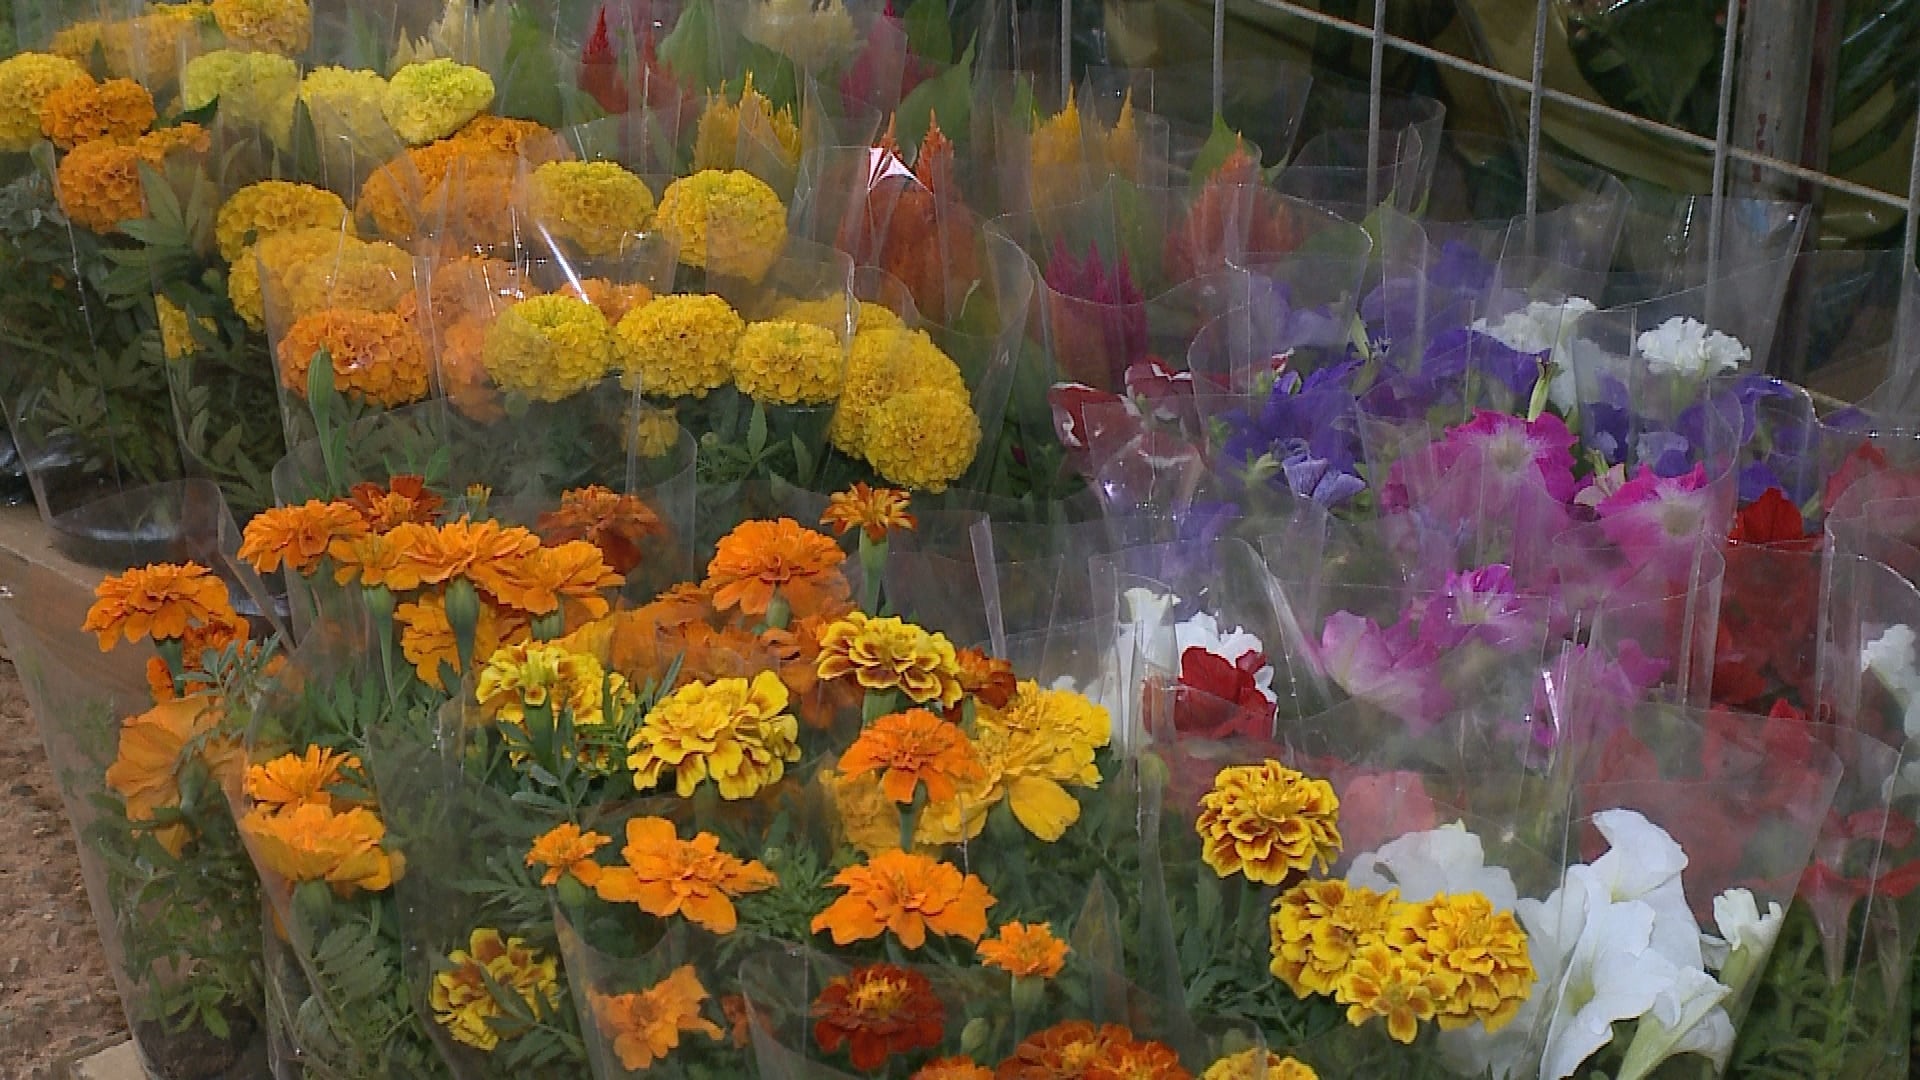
1891 659
1538 327
1742 927
1423 865
1643 863
1684 346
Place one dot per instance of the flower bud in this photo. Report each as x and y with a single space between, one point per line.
975 1036
313 907
1028 993
573 894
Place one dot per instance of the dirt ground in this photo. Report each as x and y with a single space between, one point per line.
56 995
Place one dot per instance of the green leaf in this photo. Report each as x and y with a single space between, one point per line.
757 431
689 49
529 85
948 95
1215 151
927 32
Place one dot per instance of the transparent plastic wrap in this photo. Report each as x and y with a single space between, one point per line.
142 758
1263 101
1053 149
1579 213
1666 809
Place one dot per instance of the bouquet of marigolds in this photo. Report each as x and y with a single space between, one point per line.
148 750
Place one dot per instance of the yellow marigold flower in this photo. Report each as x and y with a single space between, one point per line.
883 363
278 26
1479 951
376 356
1258 1064
298 779
273 207
549 348
311 842
26 81
149 49
277 254
565 849
782 362
724 125
736 732
464 1003
891 654
595 205
355 276
923 439
254 89
832 313
1042 742
1268 821
537 675
1025 951
83 110
99 183
1317 927
1382 982
867 819
679 345
434 99
727 223
653 434
78 41
177 339
345 104
874 511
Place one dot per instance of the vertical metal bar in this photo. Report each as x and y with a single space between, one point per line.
1219 59
1533 116
1375 77
1722 140
1066 50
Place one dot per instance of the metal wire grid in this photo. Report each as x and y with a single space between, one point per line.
1722 146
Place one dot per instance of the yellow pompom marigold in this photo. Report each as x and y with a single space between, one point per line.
272 207
275 26
923 439
376 356
883 363
549 348
254 89
680 345
727 223
782 362
346 106
355 275
26 81
595 205
432 100
275 254
82 111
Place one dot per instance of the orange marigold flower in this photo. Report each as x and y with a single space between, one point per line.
987 679
1027 951
614 301
1267 821
891 654
759 558
82 111
146 767
909 894
99 185
297 537
616 524
910 749
1061 1052
739 1020
876 1012
463 372
475 550
402 499
317 843
376 356
565 849
297 779
373 560
1137 1059
646 1027
428 641
952 1068
160 679
669 876
876 511
162 601
572 577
